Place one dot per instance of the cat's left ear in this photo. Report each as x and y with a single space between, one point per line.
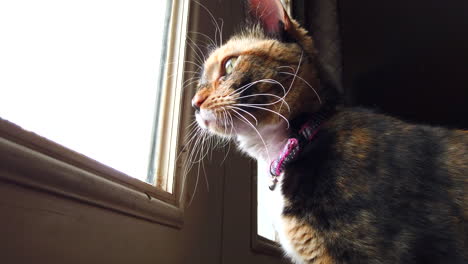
271 15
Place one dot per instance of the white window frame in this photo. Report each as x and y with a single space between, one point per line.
34 161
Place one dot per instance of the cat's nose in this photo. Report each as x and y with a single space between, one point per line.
198 100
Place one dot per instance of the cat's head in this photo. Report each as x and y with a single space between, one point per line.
263 75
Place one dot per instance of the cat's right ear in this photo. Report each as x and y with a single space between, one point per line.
270 14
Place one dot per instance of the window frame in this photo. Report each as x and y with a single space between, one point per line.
34 161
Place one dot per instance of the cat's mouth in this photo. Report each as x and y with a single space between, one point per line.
205 118
218 123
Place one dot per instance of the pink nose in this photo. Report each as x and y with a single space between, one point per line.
198 100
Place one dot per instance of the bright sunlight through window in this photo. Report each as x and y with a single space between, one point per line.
85 74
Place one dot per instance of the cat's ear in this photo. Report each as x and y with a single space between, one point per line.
270 14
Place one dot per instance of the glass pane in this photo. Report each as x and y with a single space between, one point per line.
84 74
265 201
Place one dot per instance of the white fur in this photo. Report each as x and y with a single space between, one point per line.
275 137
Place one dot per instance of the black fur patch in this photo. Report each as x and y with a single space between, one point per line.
388 199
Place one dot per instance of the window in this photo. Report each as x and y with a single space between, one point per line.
87 81
88 75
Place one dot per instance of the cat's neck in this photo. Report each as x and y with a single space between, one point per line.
274 137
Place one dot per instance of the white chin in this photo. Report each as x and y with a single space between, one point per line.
202 123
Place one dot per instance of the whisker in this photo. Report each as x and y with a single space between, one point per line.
289 67
188 137
221 31
246 86
294 77
188 164
189 84
200 56
203 164
307 83
204 35
185 61
230 135
261 94
213 19
190 80
198 137
272 103
238 108
198 48
266 109
256 130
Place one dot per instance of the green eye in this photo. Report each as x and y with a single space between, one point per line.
229 65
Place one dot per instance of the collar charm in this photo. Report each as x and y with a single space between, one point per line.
293 147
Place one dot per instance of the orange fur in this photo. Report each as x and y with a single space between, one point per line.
307 243
272 58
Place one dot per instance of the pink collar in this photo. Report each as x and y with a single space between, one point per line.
294 146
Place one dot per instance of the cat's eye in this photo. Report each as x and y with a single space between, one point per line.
229 65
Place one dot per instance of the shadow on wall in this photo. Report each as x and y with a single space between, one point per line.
408 58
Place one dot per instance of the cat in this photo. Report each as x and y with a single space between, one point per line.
355 186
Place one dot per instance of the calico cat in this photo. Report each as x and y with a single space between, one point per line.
355 186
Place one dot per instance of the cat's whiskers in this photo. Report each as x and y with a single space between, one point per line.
200 155
294 73
307 83
221 31
247 86
201 142
294 77
227 114
218 30
189 84
189 137
266 109
245 120
227 124
198 52
211 41
188 164
280 99
272 81
268 94
196 184
185 61
238 108
224 119
205 139
195 78
198 137
192 128
289 67
188 79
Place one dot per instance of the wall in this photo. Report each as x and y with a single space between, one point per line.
407 58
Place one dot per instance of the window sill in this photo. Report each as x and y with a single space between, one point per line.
266 246
28 167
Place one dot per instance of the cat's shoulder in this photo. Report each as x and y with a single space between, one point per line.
355 117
